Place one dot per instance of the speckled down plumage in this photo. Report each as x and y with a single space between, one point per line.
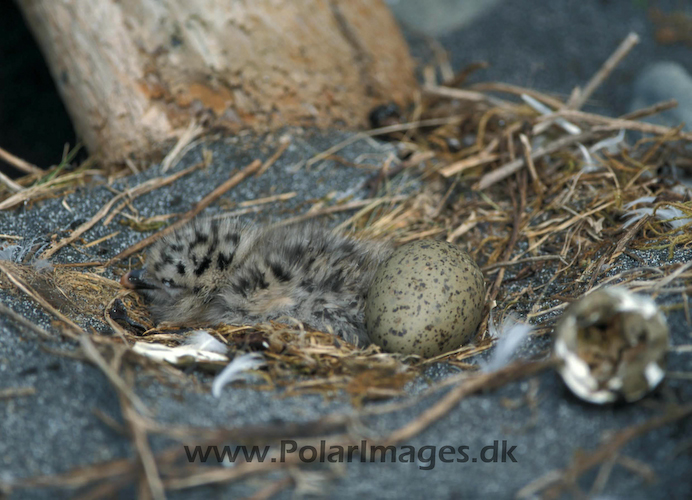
226 271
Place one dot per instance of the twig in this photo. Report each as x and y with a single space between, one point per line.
110 421
467 163
24 287
190 214
466 388
519 206
272 489
466 95
538 185
597 270
93 263
93 355
122 469
25 195
122 333
518 90
18 163
423 234
150 185
15 392
11 185
651 110
441 204
542 109
530 490
604 473
606 123
631 233
226 474
101 240
509 168
285 142
384 172
577 100
190 133
135 191
564 225
82 228
539 258
82 476
670 277
482 382
367 208
638 467
464 227
268 199
26 323
338 208
611 447
399 127
146 456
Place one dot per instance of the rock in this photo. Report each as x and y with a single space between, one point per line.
660 82
440 17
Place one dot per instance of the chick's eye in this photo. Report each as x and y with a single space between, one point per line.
168 283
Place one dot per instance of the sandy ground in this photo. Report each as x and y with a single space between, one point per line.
55 429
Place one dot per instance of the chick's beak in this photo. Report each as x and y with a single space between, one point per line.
134 281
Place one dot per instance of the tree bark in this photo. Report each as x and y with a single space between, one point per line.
133 73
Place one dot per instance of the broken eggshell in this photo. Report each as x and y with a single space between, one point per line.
612 344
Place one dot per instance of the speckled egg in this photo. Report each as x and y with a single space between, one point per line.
426 299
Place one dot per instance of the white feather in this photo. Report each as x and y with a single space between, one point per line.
511 335
536 104
42 265
235 369
200 339
17 253
589 164
673 216
643 199
610 144
568 127
9 252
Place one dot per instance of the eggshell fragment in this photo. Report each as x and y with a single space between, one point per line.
426 299
612 346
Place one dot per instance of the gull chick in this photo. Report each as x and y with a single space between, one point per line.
226 271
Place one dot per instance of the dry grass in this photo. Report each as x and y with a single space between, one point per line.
508 184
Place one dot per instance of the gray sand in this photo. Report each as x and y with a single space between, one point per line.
55 429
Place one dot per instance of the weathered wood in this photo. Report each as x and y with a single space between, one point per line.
133 73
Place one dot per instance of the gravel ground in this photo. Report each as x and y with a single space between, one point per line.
55 429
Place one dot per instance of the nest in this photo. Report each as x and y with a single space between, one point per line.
525 182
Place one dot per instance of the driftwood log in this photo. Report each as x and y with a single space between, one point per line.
133 73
